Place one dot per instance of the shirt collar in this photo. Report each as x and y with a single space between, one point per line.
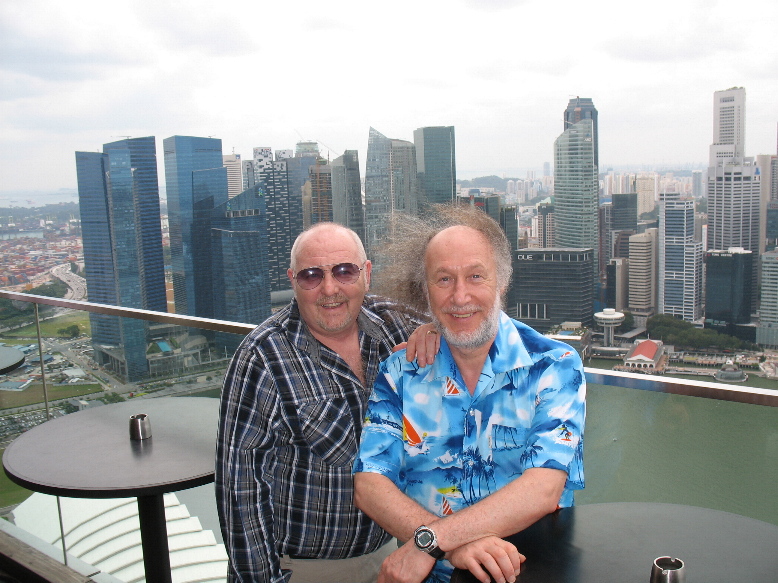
299 334
506 353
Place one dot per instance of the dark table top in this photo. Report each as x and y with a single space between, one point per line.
89 454
617 543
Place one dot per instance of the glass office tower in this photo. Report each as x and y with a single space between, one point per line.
390 186
728 288
576 188
436 164
196 183
240 262
122 237
347 206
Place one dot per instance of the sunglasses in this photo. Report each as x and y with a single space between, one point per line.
311 277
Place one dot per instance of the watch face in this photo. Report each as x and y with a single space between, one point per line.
424 538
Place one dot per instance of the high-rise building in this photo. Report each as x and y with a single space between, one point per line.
122 238
348 209
509 222
728 288
647 188
576 189
733 204
643 275
734 182
196 182
241 269
544 225
605 249
234 174
680 260
729 125
551 286
283 183
698 190
767 331
390 186
320 180
580 108
617 283
436 164
625 212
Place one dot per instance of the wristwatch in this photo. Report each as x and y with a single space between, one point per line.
426 541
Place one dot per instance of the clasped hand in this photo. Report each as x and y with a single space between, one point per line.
486 558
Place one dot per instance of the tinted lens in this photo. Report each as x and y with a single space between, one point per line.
313 276
345 272
310 278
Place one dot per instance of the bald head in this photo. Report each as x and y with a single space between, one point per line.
329 234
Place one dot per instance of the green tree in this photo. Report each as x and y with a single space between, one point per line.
72 331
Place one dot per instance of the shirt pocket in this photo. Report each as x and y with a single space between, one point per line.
328 428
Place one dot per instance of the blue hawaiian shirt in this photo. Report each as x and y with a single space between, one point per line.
447 449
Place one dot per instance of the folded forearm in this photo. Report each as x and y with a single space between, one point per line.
379 498
510 509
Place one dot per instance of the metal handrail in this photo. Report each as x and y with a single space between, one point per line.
706 389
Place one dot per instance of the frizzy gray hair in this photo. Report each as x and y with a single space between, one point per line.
403 275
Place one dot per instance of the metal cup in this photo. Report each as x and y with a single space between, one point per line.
668 570
140 426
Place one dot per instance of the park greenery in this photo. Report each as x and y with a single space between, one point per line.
682 334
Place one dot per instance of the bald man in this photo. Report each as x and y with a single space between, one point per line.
292 407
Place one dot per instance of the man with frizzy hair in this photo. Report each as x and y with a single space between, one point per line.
489 438
292 407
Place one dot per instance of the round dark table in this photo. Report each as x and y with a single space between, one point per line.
10 359
89 454
617 543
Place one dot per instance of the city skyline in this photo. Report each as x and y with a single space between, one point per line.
499 71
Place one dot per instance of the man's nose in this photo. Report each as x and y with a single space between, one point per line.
329 284
461 292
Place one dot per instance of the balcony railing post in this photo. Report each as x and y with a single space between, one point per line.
43 365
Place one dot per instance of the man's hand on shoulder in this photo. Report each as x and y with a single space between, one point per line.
488 556
406 565
423 344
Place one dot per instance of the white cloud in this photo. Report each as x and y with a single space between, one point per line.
76 74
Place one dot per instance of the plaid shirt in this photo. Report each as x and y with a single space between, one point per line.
290 419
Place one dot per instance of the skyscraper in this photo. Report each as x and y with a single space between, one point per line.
320 180
234 174
576 189
729 125
767 331
680 260
196 182
240 262
647 188
728 288
643 275
122 238
390 186
551 286
734 181
347 206
580 108
436 164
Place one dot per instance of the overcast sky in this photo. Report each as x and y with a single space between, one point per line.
76 74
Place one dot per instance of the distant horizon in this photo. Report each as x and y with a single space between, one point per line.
27 198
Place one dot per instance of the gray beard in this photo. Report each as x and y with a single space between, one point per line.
482 335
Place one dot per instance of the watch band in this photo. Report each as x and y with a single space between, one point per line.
426 541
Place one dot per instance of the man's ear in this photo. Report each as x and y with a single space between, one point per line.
368 273
290 275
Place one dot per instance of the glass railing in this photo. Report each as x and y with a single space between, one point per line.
647 438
